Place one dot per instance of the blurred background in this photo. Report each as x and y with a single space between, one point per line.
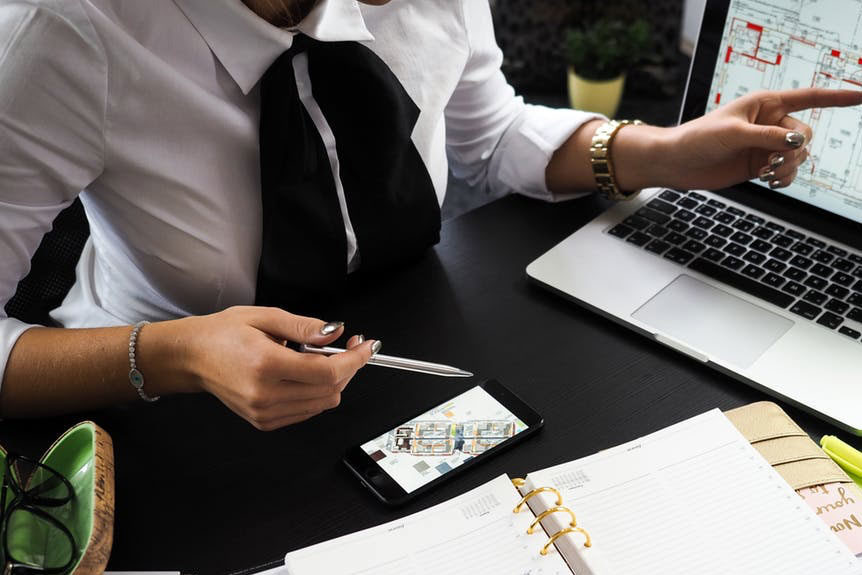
643 49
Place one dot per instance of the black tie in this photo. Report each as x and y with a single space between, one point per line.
390 197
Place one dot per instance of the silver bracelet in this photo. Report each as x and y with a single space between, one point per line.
135 376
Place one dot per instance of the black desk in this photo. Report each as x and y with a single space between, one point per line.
200 490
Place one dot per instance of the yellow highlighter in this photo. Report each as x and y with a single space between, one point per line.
847 457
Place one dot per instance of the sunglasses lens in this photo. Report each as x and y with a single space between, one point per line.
43 485
36 539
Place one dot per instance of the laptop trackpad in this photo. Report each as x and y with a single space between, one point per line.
712 321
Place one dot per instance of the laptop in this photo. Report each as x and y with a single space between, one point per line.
763 285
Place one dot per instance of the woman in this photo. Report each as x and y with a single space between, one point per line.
151 113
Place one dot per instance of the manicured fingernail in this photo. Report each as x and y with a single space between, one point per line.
375 347
794 139
331 327
776 160
359 339
774 184
766 173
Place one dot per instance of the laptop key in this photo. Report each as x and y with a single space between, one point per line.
706 210
662 206
715 241
741 238
855 258
837 291
801 248
837 306
735 211
781 254
620 230
754 257
805 309
855 299
801 262
830 320
761 246
837 251
821 270
795 274
679 256
743 225
713 255
724 218
816 282
753 271
775 266
734 249
815 297
687 203
842 279
849 332
685 215
693 246
732 262
756 219
637 222
782 241
638 238
722 230
696 196
703 222
653 215
657 246
657 231
855 314
843 265
816 243
741 282
669 196
778 228
794 288
822 257
857 272
677 226
762 233
795 235
674 238
857 287
697 233
773 280
716 204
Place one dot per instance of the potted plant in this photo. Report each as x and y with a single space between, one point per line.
599 56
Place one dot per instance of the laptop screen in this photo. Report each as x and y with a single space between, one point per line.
785 44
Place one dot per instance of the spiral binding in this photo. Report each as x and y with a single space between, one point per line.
573 524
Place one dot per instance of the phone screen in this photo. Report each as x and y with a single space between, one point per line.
445 437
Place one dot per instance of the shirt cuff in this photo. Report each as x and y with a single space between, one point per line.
527 147
10 330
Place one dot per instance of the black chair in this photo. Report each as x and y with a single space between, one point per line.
52 269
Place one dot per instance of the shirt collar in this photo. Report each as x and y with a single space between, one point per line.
246 45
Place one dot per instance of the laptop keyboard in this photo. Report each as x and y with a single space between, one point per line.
812 278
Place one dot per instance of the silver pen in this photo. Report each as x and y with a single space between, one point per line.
395 362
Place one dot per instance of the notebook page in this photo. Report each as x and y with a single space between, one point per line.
476 533
692 498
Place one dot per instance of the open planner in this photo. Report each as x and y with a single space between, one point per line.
695 497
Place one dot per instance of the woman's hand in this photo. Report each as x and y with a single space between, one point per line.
239 355
745 139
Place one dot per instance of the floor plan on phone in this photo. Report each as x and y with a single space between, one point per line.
786 44
443 438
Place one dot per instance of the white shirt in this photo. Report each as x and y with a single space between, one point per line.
149 112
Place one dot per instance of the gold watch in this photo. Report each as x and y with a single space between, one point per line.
602 161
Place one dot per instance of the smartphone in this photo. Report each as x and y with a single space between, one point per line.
411 458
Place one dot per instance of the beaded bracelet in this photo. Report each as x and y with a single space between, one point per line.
135 376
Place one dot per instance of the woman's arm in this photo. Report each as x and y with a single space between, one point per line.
237 355
725 147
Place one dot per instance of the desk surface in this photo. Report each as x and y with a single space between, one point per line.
199 490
